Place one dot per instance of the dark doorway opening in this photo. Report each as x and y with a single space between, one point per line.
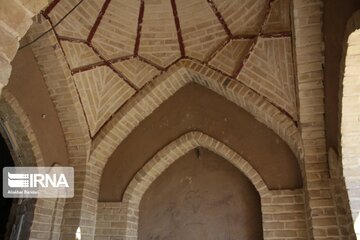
5 203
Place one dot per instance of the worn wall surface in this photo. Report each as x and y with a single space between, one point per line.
201 196
28 87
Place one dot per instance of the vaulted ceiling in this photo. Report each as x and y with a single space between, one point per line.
115 47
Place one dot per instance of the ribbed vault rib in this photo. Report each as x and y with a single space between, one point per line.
51 7
139 27
98 20
104 61
213 10
108 63
62 50
220 17
256 38
178 28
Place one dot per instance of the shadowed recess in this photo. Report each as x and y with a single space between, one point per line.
201 196
195 108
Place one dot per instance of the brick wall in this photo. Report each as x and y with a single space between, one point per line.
25 149
320 207
63 93
47 219
311 213
109 220
284 215
283 210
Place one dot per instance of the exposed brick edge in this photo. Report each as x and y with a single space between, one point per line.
164 86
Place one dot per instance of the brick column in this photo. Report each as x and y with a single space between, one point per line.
80 211
321 212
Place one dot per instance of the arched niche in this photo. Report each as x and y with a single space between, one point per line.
197 108
165 158
201 196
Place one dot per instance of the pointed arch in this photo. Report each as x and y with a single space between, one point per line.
167 84
26 152
17 129
167 156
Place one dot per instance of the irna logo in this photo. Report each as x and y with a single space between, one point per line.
38 182
18 180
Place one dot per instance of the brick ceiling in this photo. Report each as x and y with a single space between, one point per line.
115 47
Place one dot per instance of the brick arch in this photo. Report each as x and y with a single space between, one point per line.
178 76
26 151
18 132
15 20
63 93
167 156
350 115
